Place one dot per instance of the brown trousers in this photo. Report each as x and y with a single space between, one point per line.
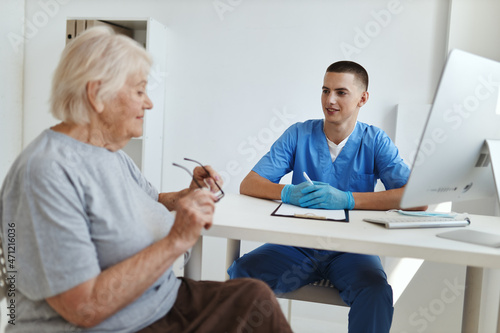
235 306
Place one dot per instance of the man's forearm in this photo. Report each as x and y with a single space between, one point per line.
383 200
260 187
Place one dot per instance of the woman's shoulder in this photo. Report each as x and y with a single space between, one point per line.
53 154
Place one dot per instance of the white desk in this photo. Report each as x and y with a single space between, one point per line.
240 217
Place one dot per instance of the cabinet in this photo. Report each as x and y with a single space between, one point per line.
146 151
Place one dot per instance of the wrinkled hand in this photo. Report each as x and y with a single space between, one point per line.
291 194
194 212
322 195
209 179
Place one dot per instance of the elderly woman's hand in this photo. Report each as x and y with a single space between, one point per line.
194 212
171 199
209 179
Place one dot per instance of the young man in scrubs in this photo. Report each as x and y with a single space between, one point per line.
344 158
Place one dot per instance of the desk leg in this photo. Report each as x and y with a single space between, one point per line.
232 252
472 299
192 270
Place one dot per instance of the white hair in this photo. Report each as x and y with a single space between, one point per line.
98 54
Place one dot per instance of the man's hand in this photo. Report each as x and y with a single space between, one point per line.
291 194
194 212
322 195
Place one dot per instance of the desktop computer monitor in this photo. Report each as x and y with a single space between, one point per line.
453 160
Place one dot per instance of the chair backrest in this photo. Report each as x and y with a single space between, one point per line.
3 273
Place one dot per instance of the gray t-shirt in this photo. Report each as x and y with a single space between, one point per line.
79 209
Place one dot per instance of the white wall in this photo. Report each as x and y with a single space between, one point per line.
236 79
475 27
239 72
11 82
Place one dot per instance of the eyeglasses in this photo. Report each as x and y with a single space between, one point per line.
219 194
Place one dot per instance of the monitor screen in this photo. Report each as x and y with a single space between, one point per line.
452 162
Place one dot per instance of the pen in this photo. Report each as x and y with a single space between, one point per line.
307 178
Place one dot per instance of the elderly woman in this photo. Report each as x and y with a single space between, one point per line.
95 241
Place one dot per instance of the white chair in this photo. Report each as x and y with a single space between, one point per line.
319 292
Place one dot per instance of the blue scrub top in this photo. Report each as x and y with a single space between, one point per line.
368 155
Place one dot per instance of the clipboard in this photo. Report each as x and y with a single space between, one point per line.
287 210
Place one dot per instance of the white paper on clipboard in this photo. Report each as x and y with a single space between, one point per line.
319 214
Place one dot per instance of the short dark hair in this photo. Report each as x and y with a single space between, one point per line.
350 67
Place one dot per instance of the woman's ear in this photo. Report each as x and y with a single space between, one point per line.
92 94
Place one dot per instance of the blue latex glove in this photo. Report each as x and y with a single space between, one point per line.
291 194
322 195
